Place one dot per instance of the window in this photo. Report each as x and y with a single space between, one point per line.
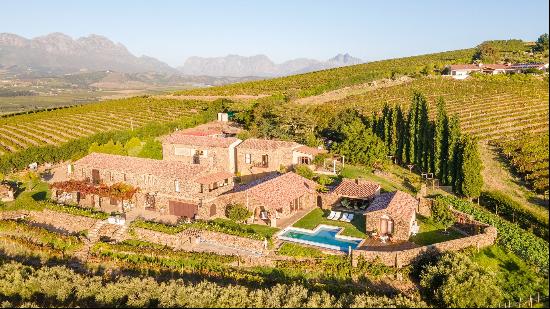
177 185
305 160
247 158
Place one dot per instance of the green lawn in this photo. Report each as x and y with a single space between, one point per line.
517 279
431 233
355 228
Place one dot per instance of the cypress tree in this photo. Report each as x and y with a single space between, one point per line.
401 133
440 154
412 125
393 132
471 180
423 135
454 151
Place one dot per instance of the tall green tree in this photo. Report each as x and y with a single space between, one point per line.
412 128
360 145
440 140
542 43
401 133
470 173
423 135
453 158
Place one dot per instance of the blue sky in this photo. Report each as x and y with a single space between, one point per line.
174 30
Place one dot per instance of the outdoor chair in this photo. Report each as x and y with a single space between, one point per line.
263 215
350 217
336 216
344 217
331 215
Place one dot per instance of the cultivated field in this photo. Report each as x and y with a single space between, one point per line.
59 126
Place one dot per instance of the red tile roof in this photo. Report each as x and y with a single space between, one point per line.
399 205
202 132
183 138
356 188
266 144
279 191
211 178
310 150
141 166
464 67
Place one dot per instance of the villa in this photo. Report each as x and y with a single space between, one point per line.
462 71
392 214
167 187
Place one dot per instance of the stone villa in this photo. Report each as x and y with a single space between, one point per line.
195 180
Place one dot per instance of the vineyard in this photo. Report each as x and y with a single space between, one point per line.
315 83
488 108
60 126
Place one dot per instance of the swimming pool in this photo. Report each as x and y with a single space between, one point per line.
325 236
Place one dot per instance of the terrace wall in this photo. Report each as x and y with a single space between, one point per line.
61 221
485 238
187 238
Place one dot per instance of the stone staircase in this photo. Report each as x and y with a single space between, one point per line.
118 236
93 237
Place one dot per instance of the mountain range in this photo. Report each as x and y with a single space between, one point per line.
58 53
260 65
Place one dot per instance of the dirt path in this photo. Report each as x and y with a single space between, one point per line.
353 90
239 97
496 176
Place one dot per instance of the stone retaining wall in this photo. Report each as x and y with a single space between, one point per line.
62 221
485 238
184 239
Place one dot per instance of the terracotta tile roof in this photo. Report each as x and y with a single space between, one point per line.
141 166
358 188
211 178
266 144
495 66
203 132
399 205
183 138
279 191
464 67
310 150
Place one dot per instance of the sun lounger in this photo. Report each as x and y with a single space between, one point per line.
331 215
350 217
344 217
336 216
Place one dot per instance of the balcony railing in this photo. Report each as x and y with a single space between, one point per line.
260 164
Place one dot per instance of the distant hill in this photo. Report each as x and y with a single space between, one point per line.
260 65
57 53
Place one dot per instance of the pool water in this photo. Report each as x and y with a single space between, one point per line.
323 236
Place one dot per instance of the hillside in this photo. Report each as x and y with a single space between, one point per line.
62 125
315 83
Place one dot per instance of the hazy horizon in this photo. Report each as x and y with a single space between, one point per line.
175 31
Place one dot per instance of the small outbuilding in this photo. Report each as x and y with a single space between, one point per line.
392 214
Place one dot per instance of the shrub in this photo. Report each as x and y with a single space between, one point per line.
304 171
456 281
442 214
237 212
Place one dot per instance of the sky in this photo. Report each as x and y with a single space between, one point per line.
172 31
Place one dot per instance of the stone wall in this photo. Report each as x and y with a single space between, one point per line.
485 235
61 221
276 158
177 241
216 158
424 207
185 239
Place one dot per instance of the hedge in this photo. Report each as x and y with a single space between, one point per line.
533 249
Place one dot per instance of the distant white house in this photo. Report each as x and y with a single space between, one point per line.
462 71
